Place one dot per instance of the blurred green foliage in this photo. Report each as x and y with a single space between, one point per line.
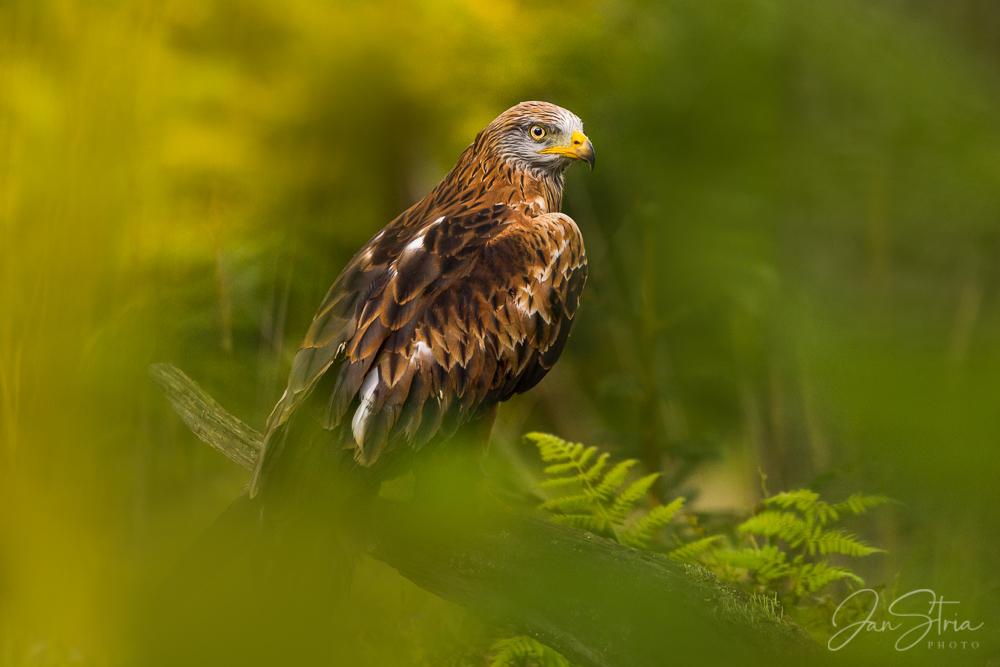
793 238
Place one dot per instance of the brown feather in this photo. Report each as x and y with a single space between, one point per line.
462 301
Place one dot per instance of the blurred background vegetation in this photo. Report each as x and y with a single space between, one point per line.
794 240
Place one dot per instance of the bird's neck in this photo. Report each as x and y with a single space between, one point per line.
481 177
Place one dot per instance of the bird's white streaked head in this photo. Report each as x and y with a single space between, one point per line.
538 136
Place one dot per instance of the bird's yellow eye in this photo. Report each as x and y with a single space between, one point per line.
537 132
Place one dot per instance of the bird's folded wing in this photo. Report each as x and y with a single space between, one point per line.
431 324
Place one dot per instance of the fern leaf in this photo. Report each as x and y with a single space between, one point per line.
752 559
594 472
562 468
553 448
839 542
689 552
541 439
784 525
569 504
814 576
627 499
572 451
544 442
641 532
614 478
773 571
803 500
663 514
551 453
859 503
584 458
810 544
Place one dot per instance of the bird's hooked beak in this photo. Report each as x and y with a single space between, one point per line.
579 148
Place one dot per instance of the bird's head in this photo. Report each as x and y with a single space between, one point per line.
538 136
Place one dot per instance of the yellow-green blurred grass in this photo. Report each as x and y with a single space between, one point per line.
142 145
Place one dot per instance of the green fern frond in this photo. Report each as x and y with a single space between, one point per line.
663 514
552 448
813 576
598 502
594 495
641 532
561 468
569 504
807 502
523 651
839 542
573 452
594 472
860 503
688 553
627 499
752 559
784 525
589 496
614 478
803 500
773 571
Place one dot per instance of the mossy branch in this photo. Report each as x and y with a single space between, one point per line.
599 603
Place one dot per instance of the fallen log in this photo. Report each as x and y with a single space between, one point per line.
597 602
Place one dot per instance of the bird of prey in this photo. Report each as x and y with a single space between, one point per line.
461 302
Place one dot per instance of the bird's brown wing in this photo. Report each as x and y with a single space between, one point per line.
431 324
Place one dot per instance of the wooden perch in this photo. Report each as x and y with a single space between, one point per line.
597 602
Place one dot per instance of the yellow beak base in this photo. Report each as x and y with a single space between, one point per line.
579 148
